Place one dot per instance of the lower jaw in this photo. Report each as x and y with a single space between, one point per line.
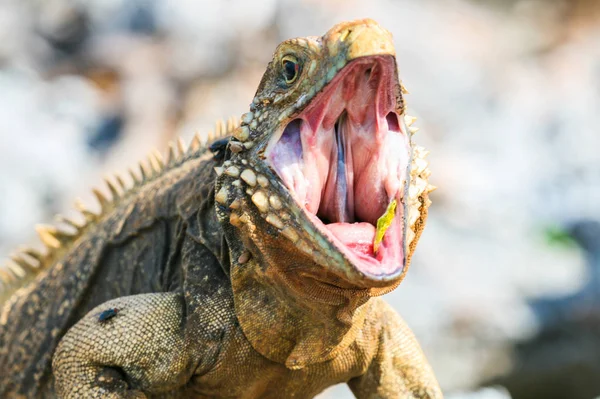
355 242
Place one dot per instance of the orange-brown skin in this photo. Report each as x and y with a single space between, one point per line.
207 297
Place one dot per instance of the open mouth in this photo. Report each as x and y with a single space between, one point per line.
344 159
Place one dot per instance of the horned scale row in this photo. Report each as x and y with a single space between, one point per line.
27 262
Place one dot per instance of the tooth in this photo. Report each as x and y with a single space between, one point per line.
244 218
274 220
417 187
420 152
249 177
419 165
221 196
427 202
413 130
430 188
410 236
290 233
409 120
413 215
219 170
232 171
260 200
426 173
275 202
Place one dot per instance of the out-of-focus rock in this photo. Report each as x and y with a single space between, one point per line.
563 359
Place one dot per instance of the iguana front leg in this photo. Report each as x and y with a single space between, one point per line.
123 347
399 368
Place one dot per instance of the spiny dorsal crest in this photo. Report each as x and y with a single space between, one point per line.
26 263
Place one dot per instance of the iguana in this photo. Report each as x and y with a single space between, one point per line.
244 267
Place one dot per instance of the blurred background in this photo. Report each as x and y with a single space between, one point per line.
504 291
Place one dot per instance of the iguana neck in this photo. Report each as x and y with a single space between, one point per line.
292 319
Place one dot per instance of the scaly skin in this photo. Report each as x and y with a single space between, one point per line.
207 281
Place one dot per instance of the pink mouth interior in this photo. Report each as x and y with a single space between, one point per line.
344 159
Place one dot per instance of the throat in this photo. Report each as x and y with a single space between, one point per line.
326 321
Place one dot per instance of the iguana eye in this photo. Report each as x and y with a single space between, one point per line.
291 68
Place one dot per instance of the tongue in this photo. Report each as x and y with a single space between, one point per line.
358 237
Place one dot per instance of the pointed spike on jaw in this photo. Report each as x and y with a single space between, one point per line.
222 196
242 133
236 204
274 220
234 219
249 177
290 233
236 147
261 201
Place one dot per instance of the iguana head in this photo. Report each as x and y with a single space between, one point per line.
322 154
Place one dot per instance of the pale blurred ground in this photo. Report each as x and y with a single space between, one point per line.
508 99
